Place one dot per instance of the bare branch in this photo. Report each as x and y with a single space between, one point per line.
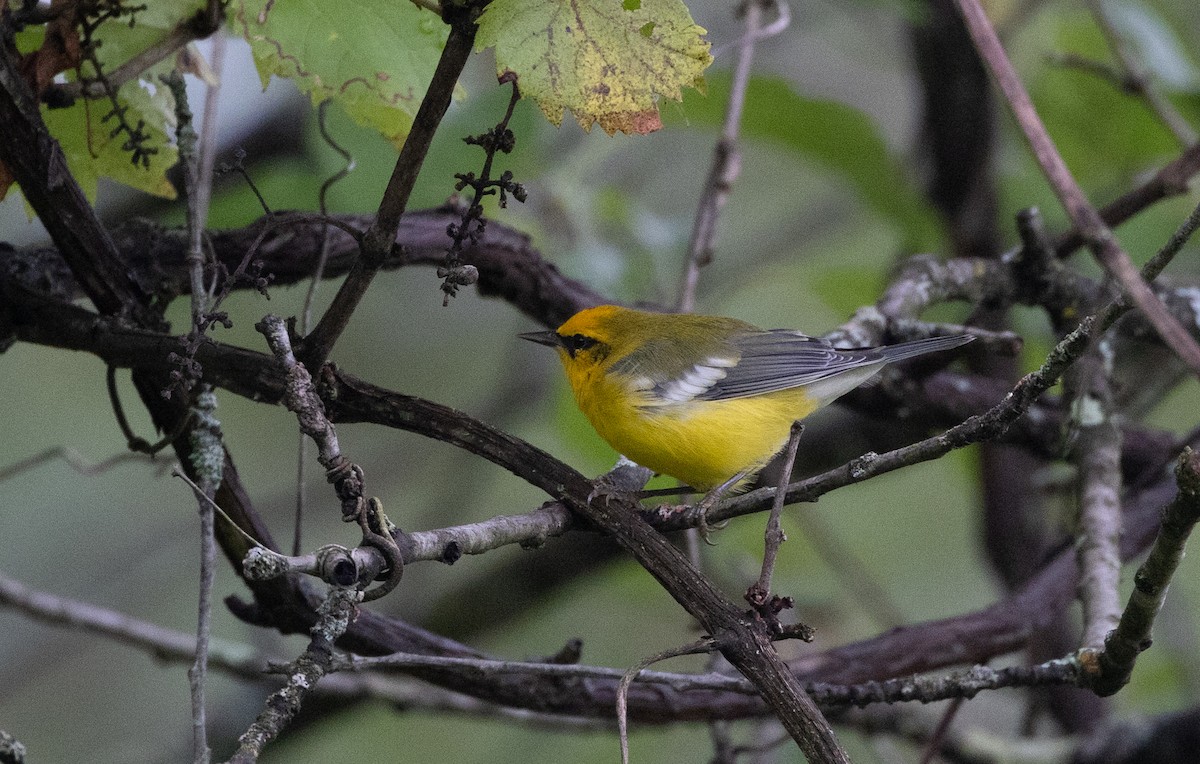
1108 670
336 615
633 672
759 594
1137 79
1095 231
301 397
1096 451
727 161
381 236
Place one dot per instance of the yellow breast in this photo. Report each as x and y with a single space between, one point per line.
702 443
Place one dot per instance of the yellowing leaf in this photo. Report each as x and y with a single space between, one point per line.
374 57
607 61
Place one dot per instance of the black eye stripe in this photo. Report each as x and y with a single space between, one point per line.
576 342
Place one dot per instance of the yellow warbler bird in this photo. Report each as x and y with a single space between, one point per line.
706 399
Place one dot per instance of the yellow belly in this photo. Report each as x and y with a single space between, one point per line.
702 443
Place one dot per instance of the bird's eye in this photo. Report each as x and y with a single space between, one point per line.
577 342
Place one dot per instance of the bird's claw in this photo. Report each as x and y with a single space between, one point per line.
694 515
603 488
700 514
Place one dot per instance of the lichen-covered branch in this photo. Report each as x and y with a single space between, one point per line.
1108 670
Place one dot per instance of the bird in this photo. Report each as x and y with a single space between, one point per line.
708 400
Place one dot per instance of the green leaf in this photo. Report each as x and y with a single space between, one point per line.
375 59
835 136
86 136
93 152
607 62
118 41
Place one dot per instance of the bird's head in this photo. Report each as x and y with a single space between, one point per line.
593 336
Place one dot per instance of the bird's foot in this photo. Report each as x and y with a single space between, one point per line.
699 514
605 488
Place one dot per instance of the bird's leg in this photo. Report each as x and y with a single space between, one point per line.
700 511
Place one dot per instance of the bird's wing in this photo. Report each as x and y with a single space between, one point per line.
665 371
780 360
747 363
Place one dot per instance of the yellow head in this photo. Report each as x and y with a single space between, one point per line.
598 337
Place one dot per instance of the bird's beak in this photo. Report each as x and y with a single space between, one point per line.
543 338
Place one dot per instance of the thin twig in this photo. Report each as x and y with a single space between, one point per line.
337 612
381 237
1179 237
773 536
178 472
347 167
783 19
306 312
74 460
194 28
345 476
206 436
703 645
1100 69
1173 179
124 629
208 462
1094 230
1138 79
302 398
684 682
959 684
726 162
206 156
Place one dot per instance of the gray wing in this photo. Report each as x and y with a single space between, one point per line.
780 359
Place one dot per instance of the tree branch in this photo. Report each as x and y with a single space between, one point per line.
727 160
1096 451
37 162
381 236
1091 225
1108 670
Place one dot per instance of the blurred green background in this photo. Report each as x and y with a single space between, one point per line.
829 198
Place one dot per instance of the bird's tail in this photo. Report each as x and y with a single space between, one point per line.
920 347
